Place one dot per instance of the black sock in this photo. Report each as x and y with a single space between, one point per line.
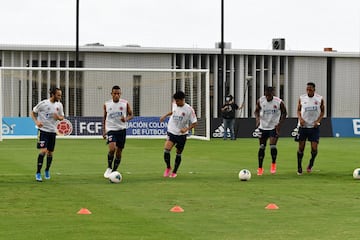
177 162
313 156
40 161
273 154
299 159
261 155
110 160
116 163
167 158
48 162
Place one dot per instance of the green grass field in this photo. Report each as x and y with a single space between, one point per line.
322 205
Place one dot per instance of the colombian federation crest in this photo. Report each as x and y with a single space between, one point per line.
64 128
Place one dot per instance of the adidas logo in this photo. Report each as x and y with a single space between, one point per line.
257 133
219 131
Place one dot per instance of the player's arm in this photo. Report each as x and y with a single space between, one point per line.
58 117
322 113
301 120
283 112
187 129
39 124
129 114
104 122
192 120
193 125
162 118
282 116
257 113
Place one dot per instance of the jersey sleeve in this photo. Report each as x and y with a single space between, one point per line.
61 110
193 118
37 107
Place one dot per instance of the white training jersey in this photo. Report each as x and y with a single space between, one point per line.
270 113
310 109
45 113
115 110
181 117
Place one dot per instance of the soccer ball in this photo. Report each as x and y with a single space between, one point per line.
115 177
356 173
244 175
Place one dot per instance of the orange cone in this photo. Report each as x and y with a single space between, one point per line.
272 206
84 211
177 209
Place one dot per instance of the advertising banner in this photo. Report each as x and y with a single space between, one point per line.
18 126
138 126
245 127
346 127
84 126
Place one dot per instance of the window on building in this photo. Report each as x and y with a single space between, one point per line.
136 94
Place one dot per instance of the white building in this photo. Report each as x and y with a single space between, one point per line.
336 75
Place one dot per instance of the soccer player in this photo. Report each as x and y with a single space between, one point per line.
117 112
270 112
45 115
310 112
182 120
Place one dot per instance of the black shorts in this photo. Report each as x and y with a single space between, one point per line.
311 134
178 140
117 136
46 140
265 134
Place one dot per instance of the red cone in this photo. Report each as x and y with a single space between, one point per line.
177 209
84 211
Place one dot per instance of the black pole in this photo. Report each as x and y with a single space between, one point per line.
222 34
75 109
77 35
221 83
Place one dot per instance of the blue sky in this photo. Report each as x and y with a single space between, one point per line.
306 25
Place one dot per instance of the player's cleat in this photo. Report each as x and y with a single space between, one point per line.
173 175
38 177
47 174
299 171
260 171
273 168
167 172
107 173
308 169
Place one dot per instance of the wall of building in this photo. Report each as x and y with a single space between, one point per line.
336 76
303 70
346 88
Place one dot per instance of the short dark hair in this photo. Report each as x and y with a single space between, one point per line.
311 84
53 90
179 95
115 87
269 89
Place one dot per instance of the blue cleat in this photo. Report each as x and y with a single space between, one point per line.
47 174
38 177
